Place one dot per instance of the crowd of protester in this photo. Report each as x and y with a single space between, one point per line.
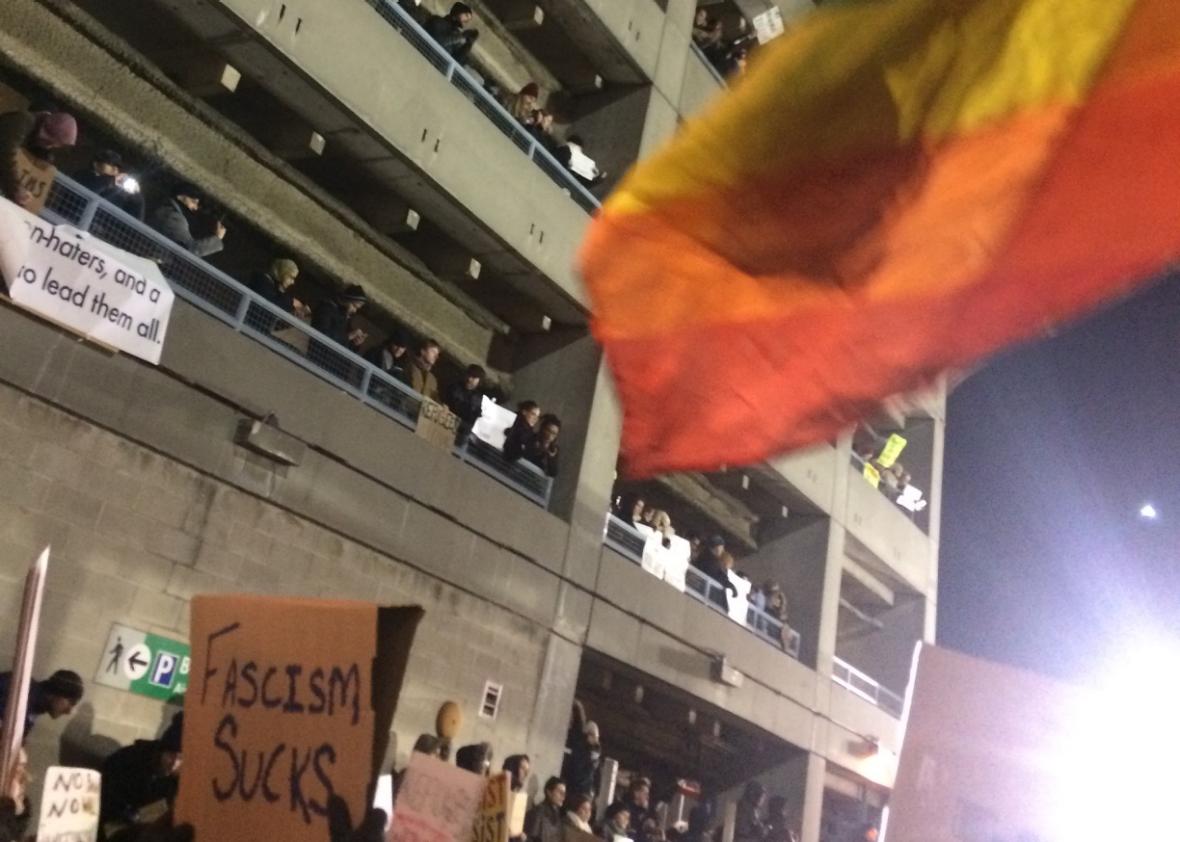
878 455
734 591
531 437
728 53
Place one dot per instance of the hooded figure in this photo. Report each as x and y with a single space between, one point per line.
40 134
476 758
333 317
140 774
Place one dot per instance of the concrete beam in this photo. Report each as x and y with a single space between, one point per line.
521 15
869 581
205 75
388 213
294 140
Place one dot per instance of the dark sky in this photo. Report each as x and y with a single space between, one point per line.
1051 449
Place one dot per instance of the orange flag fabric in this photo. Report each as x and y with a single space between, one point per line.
896 188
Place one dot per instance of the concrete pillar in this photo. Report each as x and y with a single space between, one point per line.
551 710
813 799
797 558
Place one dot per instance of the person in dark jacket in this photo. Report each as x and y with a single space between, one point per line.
645 824
56 696
749 826
541 447
392 356
544 821
172 220
40 134
274 285
528 413
465 399
140 774
580 767
451 33
778 822
333 317
617 823
715 563
106 178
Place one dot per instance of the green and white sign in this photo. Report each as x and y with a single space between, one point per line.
144 663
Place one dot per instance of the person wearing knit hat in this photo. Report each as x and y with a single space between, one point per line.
333 317
39 134
141 774
56 696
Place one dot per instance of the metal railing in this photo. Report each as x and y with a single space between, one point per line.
404 23
849 677
629 543
712 68
209 289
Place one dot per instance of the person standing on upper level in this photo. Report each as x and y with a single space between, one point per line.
465 399
422 379
40 134
451 32
172 219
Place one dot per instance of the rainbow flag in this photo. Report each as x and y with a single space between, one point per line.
897 187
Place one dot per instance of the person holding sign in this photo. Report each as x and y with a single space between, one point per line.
23 135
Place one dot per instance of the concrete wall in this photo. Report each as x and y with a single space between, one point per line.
887 653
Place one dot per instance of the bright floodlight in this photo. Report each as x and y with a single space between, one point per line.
1148 512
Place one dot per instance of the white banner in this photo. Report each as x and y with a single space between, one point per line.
493 423
84 284
69 805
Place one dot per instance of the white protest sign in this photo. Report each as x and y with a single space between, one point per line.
493 423
69 805
768 25
437 802
84 284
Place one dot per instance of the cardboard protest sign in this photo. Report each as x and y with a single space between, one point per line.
981 758
517 811
437 424
69 805
88 286
12 731
36 176
437 802
491 822
290 702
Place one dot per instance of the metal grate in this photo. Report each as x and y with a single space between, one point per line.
219 295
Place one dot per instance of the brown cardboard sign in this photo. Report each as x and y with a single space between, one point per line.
35 176
289 702
437 424
437 802
491 822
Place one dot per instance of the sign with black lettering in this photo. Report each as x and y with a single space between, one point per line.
88 286
437 424
491 822
69 805
289 703
437 802
36 177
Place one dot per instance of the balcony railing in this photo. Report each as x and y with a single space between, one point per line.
849 677
628 542
216 293
712 68
498 115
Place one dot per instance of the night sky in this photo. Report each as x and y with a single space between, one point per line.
1051 450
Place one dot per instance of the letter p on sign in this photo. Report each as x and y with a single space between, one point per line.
164 670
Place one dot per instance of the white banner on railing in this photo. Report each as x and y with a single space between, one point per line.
69 277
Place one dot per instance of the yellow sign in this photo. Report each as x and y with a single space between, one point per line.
491 822
892 449
872 475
